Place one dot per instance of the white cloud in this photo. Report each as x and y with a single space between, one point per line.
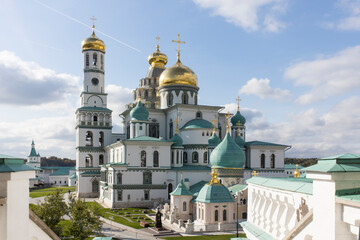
261 88
250 15
27 83
248 113
327 76
352 19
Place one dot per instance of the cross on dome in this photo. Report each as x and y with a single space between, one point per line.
177 121
214 122
238 99
93 19
157 42
178 48
254 174
227 121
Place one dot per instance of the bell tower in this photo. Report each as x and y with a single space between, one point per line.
93 119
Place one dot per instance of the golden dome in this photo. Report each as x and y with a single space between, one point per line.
296 173
178 74
157 59
93 43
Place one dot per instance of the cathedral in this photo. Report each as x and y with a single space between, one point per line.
168 137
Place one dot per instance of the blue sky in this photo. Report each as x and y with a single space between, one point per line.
295 64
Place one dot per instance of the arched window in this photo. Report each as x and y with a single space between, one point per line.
184 206
203 133
89 138
146 94
101 139
95 186
156 159
185 98
224 215
262 161
272 161
170 99
172 157
87 59
101 159
119 178
177 157
94 59
89 160
143 158
147 177
207 133
185 158
198 115
216 215
205 157
171 129
195 157
95 119
102 61
170 189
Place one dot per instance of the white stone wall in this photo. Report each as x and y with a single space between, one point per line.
59 180
255 156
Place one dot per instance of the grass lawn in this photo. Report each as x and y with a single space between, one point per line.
45 191
126 216
208 237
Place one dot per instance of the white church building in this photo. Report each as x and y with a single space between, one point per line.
167 134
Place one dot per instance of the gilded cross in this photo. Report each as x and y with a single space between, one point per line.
238 99
239 127
177 122
157 42
228 122
93 19
214 123
255 174
178 42
139 94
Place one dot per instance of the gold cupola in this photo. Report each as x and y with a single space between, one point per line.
157 59
93 43
178 74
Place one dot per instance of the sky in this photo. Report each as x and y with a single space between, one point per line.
295 65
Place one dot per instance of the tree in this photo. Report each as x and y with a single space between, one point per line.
52 210
84 219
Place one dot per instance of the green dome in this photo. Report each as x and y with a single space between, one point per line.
214 140
139 113
214 193
197 123
181 190
177 141
239 141
238 117
228 154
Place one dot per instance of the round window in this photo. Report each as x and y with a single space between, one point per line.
95 81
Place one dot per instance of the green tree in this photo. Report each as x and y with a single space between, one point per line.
84 219
52 210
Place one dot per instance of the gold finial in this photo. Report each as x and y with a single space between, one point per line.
254 174
178 48
214 175
296 173
93 19
181 176
239 127
157 43
139 94
238 100
214 122
177 121
228 120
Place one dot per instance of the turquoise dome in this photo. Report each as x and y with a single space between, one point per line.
139 113
214 140
239 141
197 123
238 117
214 193
181 190
178 142
228 154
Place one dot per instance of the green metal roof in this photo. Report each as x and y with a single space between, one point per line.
197 123
181 190
87 173
257 232
240 142
178 142
349 194
339 163
236 188
214 193
139 113
228 154
260 143
300 185
292 166
73 176
14 164
238 117
214 140
100 109
195 189
60 172
148 139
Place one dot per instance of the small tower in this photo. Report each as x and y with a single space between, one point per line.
34 158
177 149
238 123
180 201
139 123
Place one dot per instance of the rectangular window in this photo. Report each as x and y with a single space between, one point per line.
128 196
146 195
119 195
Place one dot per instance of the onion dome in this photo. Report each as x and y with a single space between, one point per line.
178 142
93 43
240 142
214 191
214 140
139 113
238 118
157 59
178 74
181 190
228 154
